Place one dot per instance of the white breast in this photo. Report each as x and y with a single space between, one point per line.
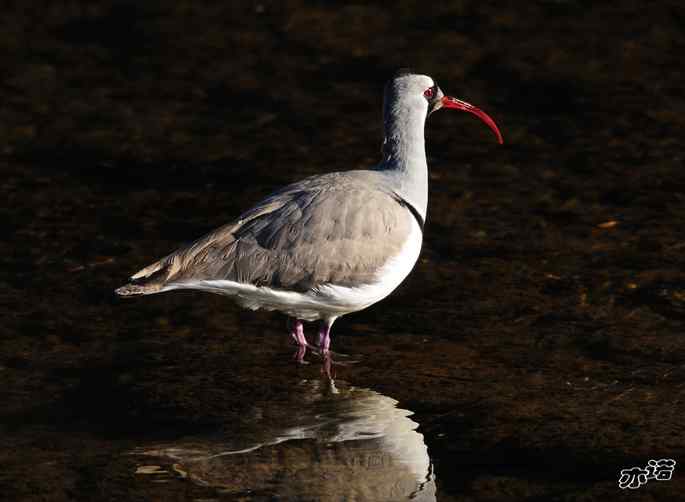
327 301
388 278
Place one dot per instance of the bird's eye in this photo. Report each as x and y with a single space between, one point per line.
428 92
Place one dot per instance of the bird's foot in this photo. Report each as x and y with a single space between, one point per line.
318 351
296 327
298 356
327 366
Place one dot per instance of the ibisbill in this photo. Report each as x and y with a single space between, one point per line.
328 245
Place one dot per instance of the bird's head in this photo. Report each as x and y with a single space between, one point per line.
407 90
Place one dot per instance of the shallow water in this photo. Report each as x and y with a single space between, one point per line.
325 439
536 350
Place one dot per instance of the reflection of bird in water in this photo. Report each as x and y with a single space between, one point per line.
320 443
328 245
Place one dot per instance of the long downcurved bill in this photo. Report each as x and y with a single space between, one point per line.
450 102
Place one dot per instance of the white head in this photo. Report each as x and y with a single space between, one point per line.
409 99
412 95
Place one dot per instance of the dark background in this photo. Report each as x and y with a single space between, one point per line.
539 339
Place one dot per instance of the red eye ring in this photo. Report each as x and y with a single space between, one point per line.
428 92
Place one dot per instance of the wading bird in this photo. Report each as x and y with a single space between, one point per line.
330 244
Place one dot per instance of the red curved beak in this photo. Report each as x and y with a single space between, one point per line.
450 102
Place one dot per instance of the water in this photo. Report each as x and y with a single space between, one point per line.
534 352
325 440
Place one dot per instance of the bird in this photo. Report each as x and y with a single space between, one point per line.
330 244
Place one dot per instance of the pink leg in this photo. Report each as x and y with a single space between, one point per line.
299 354
325 335
296 328
327 366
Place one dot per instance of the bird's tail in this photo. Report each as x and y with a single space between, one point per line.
132 289
147 281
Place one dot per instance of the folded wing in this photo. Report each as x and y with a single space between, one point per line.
333 229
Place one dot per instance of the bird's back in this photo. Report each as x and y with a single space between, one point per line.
339 228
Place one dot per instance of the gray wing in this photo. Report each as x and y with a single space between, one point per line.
338 228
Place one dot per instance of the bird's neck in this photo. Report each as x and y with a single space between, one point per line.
404 155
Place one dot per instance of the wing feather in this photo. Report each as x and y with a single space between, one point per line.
331 229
